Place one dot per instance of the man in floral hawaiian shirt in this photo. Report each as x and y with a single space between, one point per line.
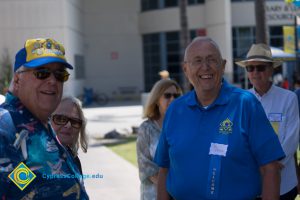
33 164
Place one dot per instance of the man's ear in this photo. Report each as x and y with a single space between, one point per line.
224 61
16 83
184 68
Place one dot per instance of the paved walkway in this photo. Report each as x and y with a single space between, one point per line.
120 178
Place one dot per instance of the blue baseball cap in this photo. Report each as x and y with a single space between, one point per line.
41 51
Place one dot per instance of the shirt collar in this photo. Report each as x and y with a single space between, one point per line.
222 99
23 117
264 95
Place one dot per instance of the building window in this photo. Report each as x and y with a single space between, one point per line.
170 3
242 39
160 4
79 67
162 51
149 4
173 55
193 2
276 36
152 59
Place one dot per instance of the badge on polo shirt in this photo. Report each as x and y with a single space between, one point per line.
226 127
275 119
218 149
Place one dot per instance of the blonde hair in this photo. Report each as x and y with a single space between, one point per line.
151 109
83 140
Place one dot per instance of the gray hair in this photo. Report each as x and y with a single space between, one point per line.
202 39
82 133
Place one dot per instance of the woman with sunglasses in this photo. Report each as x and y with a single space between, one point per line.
69 123
161 95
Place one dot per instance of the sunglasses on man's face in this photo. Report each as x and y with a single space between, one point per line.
258 68
63 120
169 95
60 74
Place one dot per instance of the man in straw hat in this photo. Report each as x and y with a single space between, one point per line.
210 145
33 163
281 108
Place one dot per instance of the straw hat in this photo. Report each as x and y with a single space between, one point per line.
259 52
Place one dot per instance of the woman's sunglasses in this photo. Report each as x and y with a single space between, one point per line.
61 74
169 95
258 68
63 120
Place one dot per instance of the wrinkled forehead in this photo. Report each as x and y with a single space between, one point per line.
202 49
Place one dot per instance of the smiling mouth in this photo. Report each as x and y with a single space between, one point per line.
206 76
48 92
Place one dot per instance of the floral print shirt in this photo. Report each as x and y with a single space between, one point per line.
23 138
147 140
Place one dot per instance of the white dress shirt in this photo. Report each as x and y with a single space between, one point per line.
281 107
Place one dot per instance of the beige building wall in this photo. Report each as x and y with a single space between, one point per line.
218 26
168 19
113 47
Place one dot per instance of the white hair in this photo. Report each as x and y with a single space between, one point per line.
202 39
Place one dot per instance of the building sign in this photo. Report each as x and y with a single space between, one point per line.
280 11
201 32
295 2
289 39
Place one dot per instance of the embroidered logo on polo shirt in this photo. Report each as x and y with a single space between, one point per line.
226 127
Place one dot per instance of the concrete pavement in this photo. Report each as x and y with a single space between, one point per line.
120 178
104 119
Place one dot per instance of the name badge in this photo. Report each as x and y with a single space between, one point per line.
218 149
275 117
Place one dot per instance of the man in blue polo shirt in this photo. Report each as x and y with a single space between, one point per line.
216 141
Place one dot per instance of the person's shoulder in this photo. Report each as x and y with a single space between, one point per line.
148 123
183 99
7 128
241 93
146 128
4 114
283 92
297 91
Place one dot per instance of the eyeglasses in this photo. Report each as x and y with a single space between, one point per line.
63 120
210 61
259 68
169 95
61 74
